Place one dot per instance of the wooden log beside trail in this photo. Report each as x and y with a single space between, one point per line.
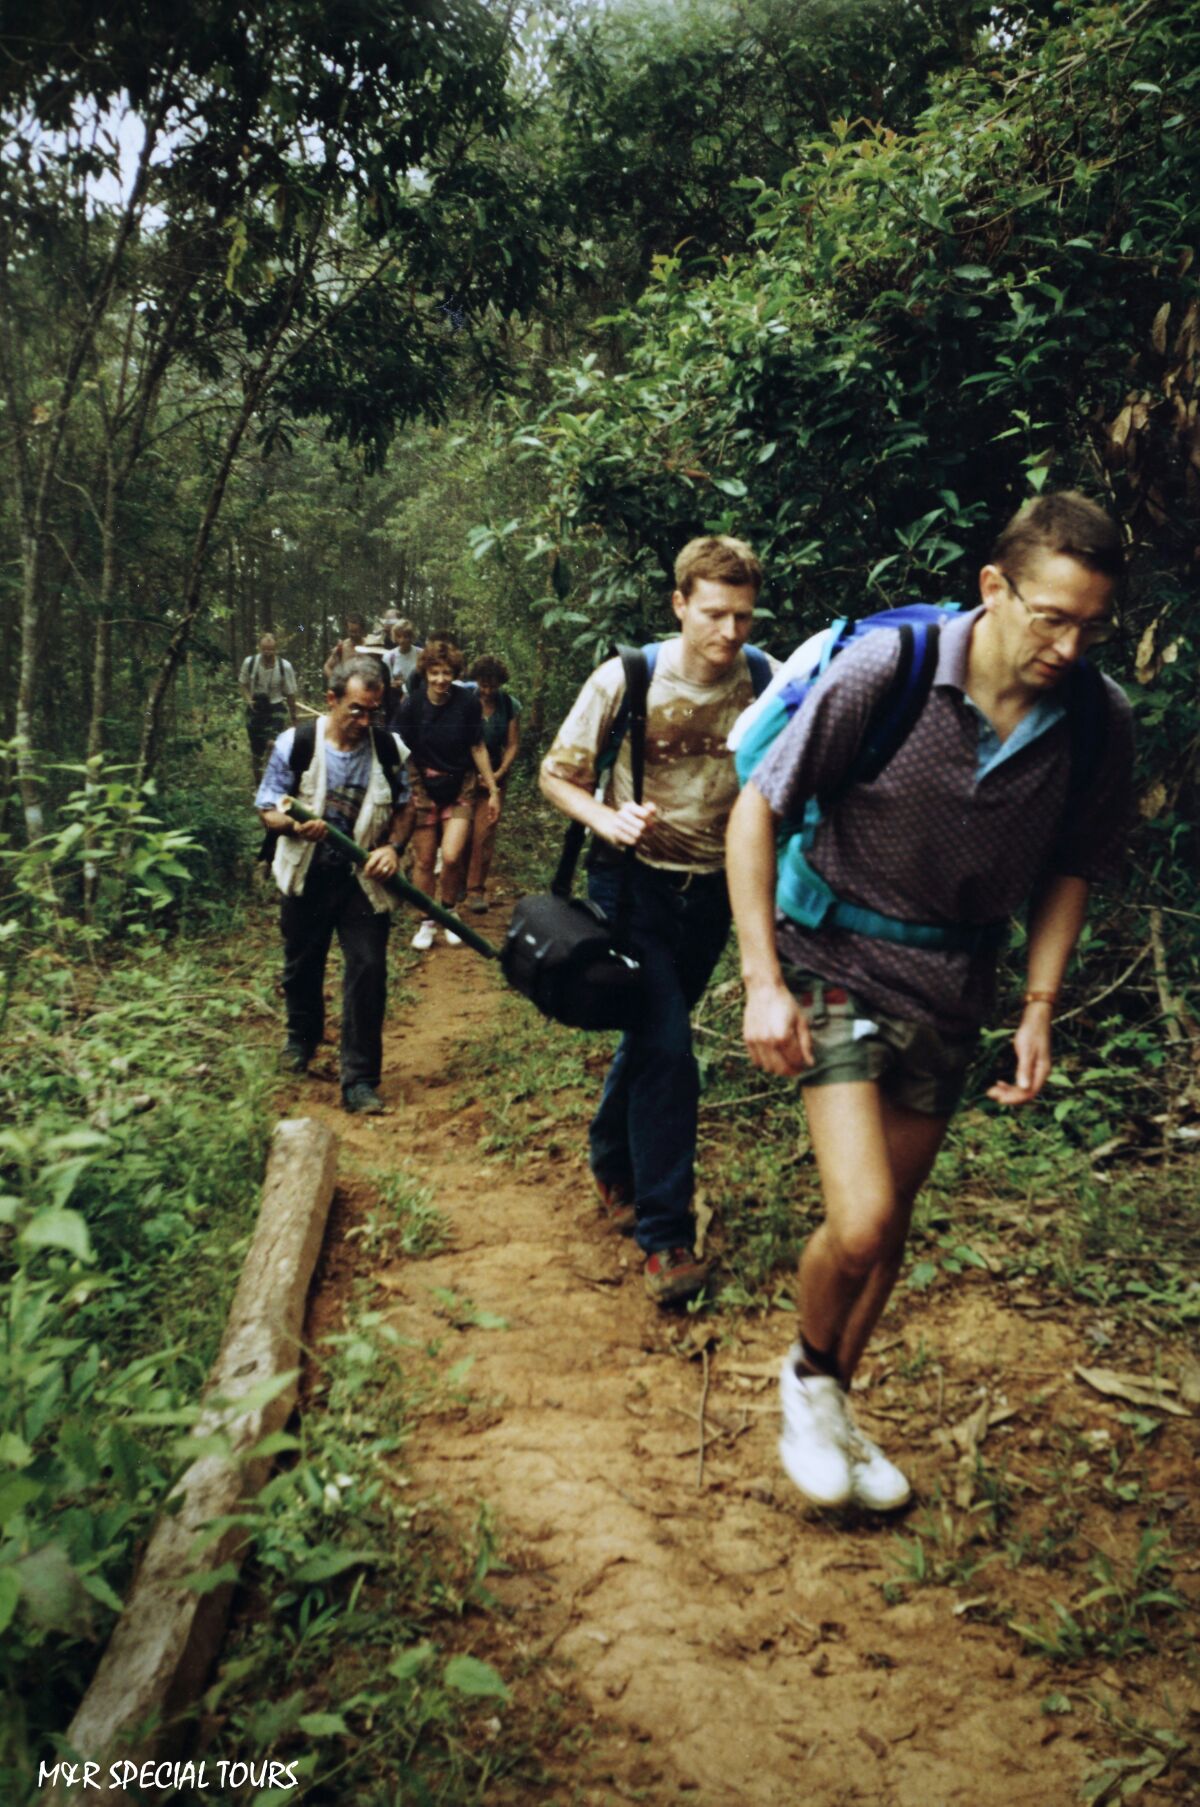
162 1649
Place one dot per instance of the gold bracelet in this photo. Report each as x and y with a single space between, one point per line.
1041 997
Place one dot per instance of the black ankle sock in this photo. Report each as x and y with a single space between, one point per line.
816 1361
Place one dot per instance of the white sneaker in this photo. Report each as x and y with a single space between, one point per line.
815 1434
874 1481
425 933
451 939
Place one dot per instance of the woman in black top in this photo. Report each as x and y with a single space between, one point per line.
442 726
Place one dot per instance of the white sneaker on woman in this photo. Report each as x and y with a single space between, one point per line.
451 939
813 1447
425 934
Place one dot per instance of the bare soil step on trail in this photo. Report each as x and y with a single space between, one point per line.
724 1644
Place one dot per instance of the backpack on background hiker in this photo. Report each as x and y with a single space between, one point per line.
562 952
801 893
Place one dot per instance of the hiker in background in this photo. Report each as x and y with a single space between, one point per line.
993 798
402 655
643 1137
348 771
268 687
502 737
351 643
442 723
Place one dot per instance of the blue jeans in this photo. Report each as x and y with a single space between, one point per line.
644 1134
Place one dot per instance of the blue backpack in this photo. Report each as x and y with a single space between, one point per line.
801 893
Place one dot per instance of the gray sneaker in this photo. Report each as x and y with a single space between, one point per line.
814 1445
361 1098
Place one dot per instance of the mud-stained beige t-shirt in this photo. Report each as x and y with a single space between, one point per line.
690 775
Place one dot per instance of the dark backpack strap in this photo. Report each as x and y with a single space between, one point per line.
895 712
638 666
388 755
760 668
1087 725
304 745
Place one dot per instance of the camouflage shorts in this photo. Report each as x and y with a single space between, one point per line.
916 1065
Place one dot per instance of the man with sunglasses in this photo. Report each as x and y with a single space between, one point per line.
979 811
353 779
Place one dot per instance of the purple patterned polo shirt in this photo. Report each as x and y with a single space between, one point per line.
953 830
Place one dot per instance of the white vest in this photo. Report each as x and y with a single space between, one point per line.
293 856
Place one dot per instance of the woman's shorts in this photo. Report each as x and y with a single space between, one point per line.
432 815
914 1064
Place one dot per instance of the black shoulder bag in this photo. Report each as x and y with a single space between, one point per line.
562 952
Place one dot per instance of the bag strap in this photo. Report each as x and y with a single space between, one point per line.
760 669
637 667
1087 721
895 713
304 745
388 755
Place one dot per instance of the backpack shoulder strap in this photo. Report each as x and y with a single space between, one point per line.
304 743
895 712
637 662
388 755
760 668
647 658
1087 725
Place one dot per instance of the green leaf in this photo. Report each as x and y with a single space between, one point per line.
468 1675
99 1589
323 1725
15 1494
730 486
207 1581
488 1320
14 1450
410 1662
328 1563
59 1230
923 1275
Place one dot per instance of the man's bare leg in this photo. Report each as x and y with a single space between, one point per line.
913 1141
872 1157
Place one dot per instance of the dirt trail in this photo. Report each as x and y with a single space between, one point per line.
730 1646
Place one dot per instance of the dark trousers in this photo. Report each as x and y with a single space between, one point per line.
333 899
265 722
644 1133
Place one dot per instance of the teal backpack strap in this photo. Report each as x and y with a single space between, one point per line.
806 899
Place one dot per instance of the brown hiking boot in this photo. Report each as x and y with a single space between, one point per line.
673 1274
617 1206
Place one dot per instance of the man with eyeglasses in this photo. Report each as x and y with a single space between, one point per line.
350 774
995 798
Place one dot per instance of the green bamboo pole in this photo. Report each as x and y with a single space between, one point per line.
399 885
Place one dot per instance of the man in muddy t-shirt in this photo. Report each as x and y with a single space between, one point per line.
643 1137
996 797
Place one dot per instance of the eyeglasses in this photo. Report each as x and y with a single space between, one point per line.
1052 624
358 710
